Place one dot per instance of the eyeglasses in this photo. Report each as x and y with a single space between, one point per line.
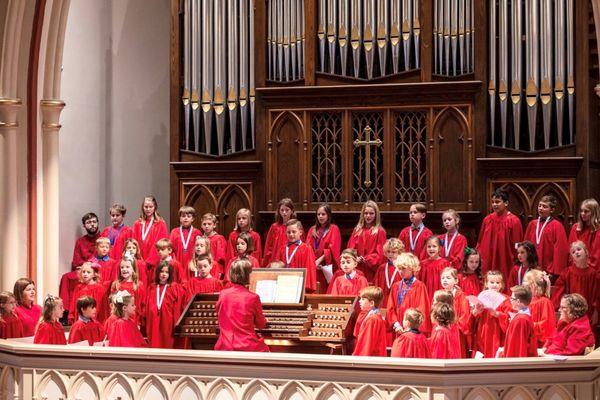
513 298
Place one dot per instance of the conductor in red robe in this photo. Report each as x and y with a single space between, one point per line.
240 313
573 333
370 329
500 232
297 254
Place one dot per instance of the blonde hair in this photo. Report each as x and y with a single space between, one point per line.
452 272
592 205
494 272
541 280
276 264
237 215
361 220
118 308
408 260
102 239
91 266
453 213
192 264
156 215
138 253
349 253
209 216
134 275
393 244
296 223
163 243
580 244
414 317
372 293
577 304
50 304
185 210
119 208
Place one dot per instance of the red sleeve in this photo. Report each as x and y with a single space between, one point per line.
560 288
259 319
270 250
124 334
516 343
332 252
545 325
424 305
392 314
516 235
371 339
78 256
561 250
257 253
373 260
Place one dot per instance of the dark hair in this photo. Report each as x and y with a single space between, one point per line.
85 302
88 216
372 293
4 298
578 306
289 204
443 314
240 271
327 210
532 257
247 238
468 253
501 194
20 285
159 267
551 200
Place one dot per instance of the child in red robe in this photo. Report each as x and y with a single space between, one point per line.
469 280
129 281
86 327
520 339
117 233
297 254
103 261
202 281
89 286
202 247
240 313
10 324
367 239
148 229
541 307
415 236
409 292
165 252
411 343
586 229
432 266
28 312
164 304
499 233
489 324
370 329
454 243
243 223
549 237
218 244
573 334
244 249
276 236
183 237
49 330
527 260
387 273
124 331
462 310
326 242
445 340
579 278
349 284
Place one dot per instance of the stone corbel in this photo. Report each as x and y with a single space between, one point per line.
51 110
9 113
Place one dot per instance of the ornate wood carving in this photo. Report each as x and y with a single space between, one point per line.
326 157
410 175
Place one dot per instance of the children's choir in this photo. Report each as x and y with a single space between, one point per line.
420 295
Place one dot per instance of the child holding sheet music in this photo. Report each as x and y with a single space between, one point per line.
297 254
325 239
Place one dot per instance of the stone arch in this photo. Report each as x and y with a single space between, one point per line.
480 394
368 392
221 389
258 390
408 393
118 386
152 388
556 392
518 393
51 385
84 386
331 391
294 391
8 383
186 388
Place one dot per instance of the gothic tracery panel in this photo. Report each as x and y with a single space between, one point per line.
326 152
410 175
368 162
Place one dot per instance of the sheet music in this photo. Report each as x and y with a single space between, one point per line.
491 299
266 291
289 289
327 271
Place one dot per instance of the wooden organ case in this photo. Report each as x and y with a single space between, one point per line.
397 101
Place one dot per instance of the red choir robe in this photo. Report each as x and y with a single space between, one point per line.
489 330
92 331
517 273
218 251
240 312
387 274
544 318
462 310
456 252
416 297
328 243
85 248
108 268
342 286
369 246
50 332
592 242
553 249
95 290
179 272
420 249
10 327
411 344
256 242
254 261
108 324
125 333
157 231
370 333
184 256
520 339
276 240
571 337
302 258
29 317
470 284
337 273
202 285
139 295
445 342
117 239
585 281
430 273
497 238
161 323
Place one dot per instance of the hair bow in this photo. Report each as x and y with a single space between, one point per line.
120 295
128 256
49 298
468 251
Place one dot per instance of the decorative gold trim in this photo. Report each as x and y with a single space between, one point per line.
51 126
52 103
6 125
9 102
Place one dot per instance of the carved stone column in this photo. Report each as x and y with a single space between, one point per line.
12 228
49 271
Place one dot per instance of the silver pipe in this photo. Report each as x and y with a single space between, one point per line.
244 65
220 71
293 39
299 38
416 29
232 70
468 37
503 62
369 37
383 33
395 30
196 66
560 65
207 71
187 78
356 35
286 39
571 68
321 31
546 67
407 31
280 67
461 36
343 30
516 95
533 59
492 82
252 82
454 36
331 32
447 35
269 39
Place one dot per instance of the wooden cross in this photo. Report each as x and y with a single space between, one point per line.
368 143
